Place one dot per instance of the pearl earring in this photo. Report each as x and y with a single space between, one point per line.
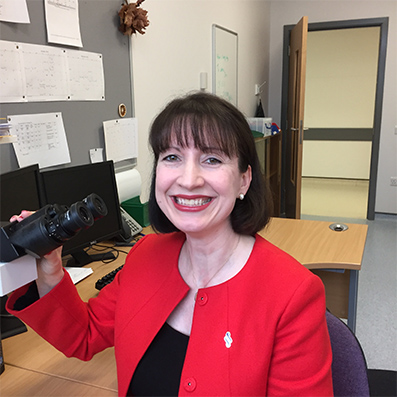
241 196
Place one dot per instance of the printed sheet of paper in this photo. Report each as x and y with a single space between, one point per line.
12 76
41 139
45 70
78 273
121 139
14 11
63 23
86 76
37 73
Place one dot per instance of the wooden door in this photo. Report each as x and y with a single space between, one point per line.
295 113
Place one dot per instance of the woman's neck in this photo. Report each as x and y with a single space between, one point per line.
210 261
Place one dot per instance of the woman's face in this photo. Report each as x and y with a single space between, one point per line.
196 189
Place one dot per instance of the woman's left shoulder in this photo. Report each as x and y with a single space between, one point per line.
273 275
272 261
265 247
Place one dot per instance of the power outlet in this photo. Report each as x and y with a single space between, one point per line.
393 181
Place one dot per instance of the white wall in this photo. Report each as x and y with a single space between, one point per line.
336 159
287 12
341 72
168 58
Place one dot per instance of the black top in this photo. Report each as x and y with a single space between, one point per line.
159 371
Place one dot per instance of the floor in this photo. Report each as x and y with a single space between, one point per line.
377 291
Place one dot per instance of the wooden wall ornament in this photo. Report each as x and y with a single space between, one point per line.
122 110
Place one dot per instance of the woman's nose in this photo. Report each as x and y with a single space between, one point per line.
191 176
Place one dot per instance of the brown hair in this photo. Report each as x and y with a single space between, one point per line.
207 118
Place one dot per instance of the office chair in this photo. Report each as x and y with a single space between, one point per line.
349 367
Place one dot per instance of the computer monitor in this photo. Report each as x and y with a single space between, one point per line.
20 190
71 184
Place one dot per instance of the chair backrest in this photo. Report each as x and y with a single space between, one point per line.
349 368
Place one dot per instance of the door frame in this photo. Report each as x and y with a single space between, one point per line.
382 23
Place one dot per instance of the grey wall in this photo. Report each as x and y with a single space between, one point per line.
82 119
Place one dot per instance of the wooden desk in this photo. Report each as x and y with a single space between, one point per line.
317 247
47 372
21 382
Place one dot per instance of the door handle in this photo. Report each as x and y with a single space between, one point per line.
300 129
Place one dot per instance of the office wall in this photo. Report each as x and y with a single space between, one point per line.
287 12
168 59
82 119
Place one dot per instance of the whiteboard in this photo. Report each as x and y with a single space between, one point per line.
224 63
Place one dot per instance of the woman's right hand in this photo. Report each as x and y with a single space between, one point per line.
49 268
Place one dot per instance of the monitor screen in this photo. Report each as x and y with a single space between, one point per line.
20 190
69 185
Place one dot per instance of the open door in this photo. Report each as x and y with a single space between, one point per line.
295 113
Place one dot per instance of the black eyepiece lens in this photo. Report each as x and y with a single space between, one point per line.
96 205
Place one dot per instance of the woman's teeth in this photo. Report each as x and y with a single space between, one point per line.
192 202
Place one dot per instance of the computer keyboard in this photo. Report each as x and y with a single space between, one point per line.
107 278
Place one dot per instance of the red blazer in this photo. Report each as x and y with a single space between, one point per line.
263 332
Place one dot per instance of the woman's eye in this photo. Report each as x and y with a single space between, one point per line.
171 158
212 160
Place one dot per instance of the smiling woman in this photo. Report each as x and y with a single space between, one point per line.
207 306
217 129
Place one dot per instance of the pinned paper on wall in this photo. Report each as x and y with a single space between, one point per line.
63 23
121 139
96 155
39 73
14 11
45 72
41 139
